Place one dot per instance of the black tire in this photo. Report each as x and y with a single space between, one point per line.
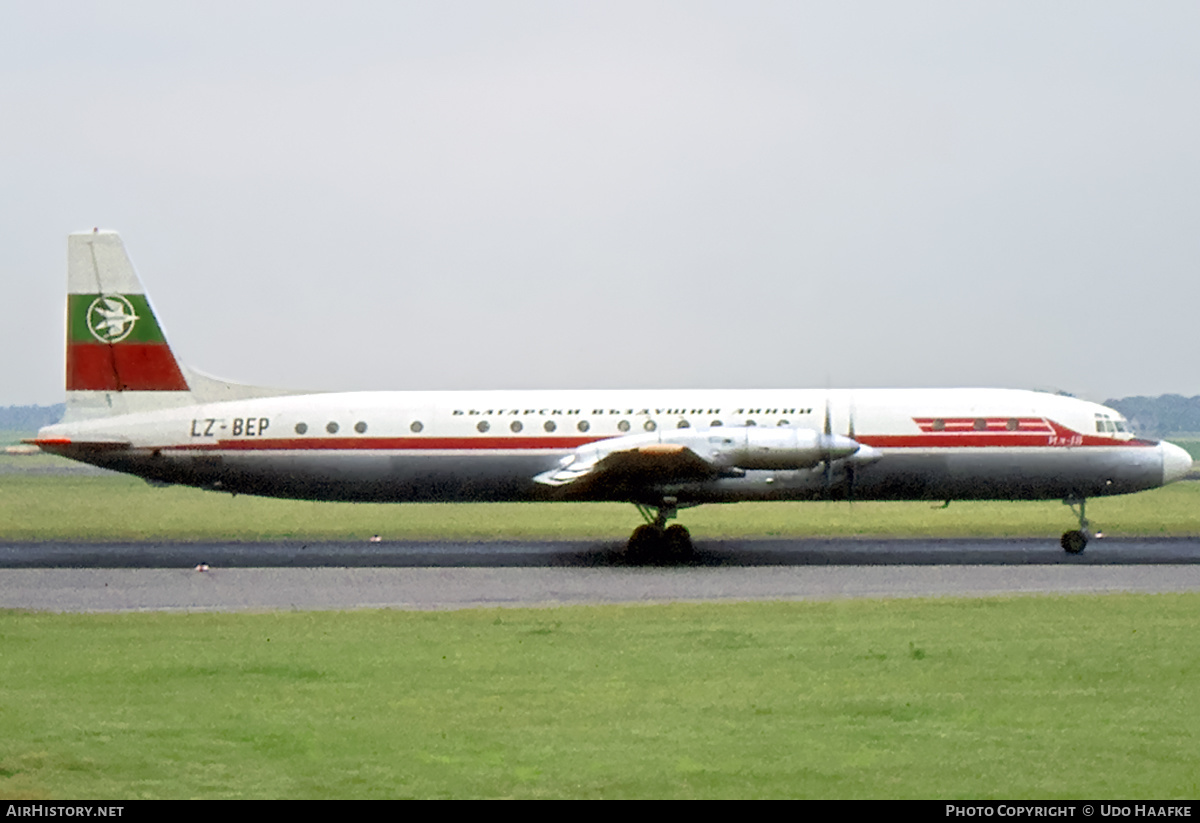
1074 542
645 542
678 541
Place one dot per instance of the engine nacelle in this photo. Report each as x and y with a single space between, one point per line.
751 447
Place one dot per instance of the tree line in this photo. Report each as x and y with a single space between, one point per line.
30 418
1160 416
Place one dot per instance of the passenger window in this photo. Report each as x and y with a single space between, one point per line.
583 425
623 426
301 428
650 426
1012 424
416 427
939 425
550 426
331 427
980 424
360 427
683 424
483 425
516 426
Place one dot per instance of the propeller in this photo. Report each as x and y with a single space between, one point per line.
828 457
850 464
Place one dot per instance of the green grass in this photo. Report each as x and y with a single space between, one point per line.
55 507
1003 698
1008 698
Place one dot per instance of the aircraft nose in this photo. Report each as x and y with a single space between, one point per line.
1175 462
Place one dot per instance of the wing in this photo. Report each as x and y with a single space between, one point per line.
621 467
622 472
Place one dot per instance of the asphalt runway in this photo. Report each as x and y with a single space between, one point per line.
87 577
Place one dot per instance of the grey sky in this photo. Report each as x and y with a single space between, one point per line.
541 194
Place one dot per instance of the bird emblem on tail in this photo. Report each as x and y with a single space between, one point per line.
111 318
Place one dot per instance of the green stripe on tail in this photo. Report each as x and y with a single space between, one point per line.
111 318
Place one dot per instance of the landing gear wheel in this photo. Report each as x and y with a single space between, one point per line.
1074 542
678 541
646 541
656 541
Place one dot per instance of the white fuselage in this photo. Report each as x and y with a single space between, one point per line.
489 446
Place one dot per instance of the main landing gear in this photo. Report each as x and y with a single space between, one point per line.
1074 542
655 539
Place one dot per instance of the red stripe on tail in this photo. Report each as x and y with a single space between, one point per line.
123 367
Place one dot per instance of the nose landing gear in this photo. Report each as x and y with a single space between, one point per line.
1075 541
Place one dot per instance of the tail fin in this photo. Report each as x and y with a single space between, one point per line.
118 359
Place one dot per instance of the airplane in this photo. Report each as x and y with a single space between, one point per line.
131 406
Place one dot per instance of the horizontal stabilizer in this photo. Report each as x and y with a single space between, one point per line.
90 444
